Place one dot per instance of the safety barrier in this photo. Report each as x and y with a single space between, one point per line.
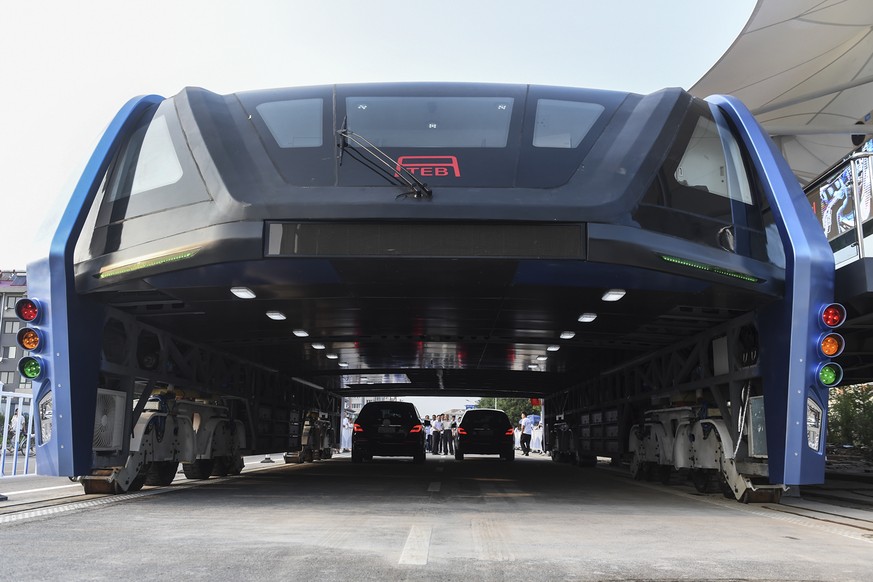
18 450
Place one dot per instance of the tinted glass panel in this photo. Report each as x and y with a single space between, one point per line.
149 161
431 122
294 124
378 413
563 124
490 420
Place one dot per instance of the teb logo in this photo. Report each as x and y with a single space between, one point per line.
429 166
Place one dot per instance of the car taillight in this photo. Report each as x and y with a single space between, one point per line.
510 432
461 430
416 428
357 428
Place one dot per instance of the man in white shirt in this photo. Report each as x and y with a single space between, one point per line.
526 431
437 432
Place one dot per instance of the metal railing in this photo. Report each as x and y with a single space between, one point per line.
18 450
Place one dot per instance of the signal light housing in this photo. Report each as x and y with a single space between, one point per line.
31 367
29 339
833 315
830 345
357 428
830 374
416 428
28 310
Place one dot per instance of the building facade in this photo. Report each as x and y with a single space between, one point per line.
13 286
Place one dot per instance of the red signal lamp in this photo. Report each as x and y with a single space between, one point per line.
27 310
833 315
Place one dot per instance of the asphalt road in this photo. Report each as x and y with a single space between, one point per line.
479 519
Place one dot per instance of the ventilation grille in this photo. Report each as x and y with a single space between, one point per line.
109 420
311 239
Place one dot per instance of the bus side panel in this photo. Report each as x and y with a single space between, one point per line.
72 324
789 328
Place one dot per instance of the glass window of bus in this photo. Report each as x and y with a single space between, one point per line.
149 161
296 123
705 192
431 122
563 124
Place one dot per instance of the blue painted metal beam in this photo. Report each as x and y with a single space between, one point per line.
73 323
789 328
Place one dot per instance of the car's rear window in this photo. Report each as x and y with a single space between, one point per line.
492 420
378 413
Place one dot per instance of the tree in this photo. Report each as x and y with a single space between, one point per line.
850 416
513 407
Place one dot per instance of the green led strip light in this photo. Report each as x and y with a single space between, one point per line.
148 263
711 269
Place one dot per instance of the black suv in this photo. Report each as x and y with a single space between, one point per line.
485 431
388 429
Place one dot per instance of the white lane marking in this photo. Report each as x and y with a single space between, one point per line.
434 487
417 546
43 489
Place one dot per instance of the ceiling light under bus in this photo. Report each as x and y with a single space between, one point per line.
243 292
613 295
587 317
317 346
332 356
568 334
553 348
276 315
343 364
300 333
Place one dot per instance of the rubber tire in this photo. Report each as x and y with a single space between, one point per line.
357 457
199 469
459 456
585 461
221 466
236 465
665 474
161 473
419 458
509 456
137 483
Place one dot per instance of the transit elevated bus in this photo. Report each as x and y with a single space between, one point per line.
230 265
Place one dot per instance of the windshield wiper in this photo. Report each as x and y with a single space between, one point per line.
418 188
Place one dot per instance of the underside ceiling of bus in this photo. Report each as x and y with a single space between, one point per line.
805 69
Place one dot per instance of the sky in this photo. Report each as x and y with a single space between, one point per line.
68 67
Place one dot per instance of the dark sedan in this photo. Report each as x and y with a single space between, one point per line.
485 432
388 429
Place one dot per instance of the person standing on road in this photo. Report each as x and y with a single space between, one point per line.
526 430
346 435
448 441
428 436
437 430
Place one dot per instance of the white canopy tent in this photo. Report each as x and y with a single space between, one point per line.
805 69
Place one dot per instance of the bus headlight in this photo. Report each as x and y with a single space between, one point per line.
46 414
813 424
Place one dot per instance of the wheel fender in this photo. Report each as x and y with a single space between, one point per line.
683 447
707 444
653 445
214 439
139 430
239 433
186 440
